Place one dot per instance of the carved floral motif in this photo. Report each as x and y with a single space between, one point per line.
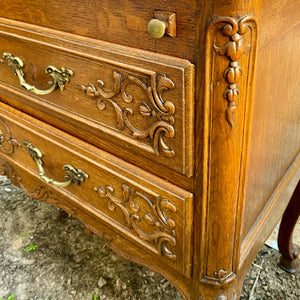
162 111
163 233
233 49
7 142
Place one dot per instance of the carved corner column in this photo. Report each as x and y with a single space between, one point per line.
230 62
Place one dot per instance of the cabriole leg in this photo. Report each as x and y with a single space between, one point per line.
289 252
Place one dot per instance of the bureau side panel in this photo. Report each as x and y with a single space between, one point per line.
275 136
276 18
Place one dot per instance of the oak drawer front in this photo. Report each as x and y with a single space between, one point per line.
122 22
151 212
142 105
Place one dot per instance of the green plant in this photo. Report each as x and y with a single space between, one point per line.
23 234
11 297
30 248
95 297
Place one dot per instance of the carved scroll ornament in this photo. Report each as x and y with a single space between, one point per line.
7 142
162 111
162 234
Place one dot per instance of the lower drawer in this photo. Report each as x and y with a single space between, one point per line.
151 213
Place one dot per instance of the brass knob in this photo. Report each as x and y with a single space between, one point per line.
157 28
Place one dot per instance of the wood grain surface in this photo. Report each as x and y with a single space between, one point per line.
208 144
160 219
114 101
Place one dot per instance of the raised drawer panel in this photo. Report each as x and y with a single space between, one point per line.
116 101
153 213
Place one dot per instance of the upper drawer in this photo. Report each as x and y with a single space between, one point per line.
122 22
136 104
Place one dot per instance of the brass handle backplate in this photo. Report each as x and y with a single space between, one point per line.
59 77
74 175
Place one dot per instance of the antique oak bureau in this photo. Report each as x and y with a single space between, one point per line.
171 129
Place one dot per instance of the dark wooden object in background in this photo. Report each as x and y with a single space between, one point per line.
191 144
289 251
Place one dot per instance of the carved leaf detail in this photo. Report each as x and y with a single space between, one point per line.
162 236
164 84
119 114
149 219
162 112
145 110
90 90
7 142
233 49
166 205
117 86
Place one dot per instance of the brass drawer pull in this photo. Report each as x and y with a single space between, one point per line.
74 175
59 77
157 28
